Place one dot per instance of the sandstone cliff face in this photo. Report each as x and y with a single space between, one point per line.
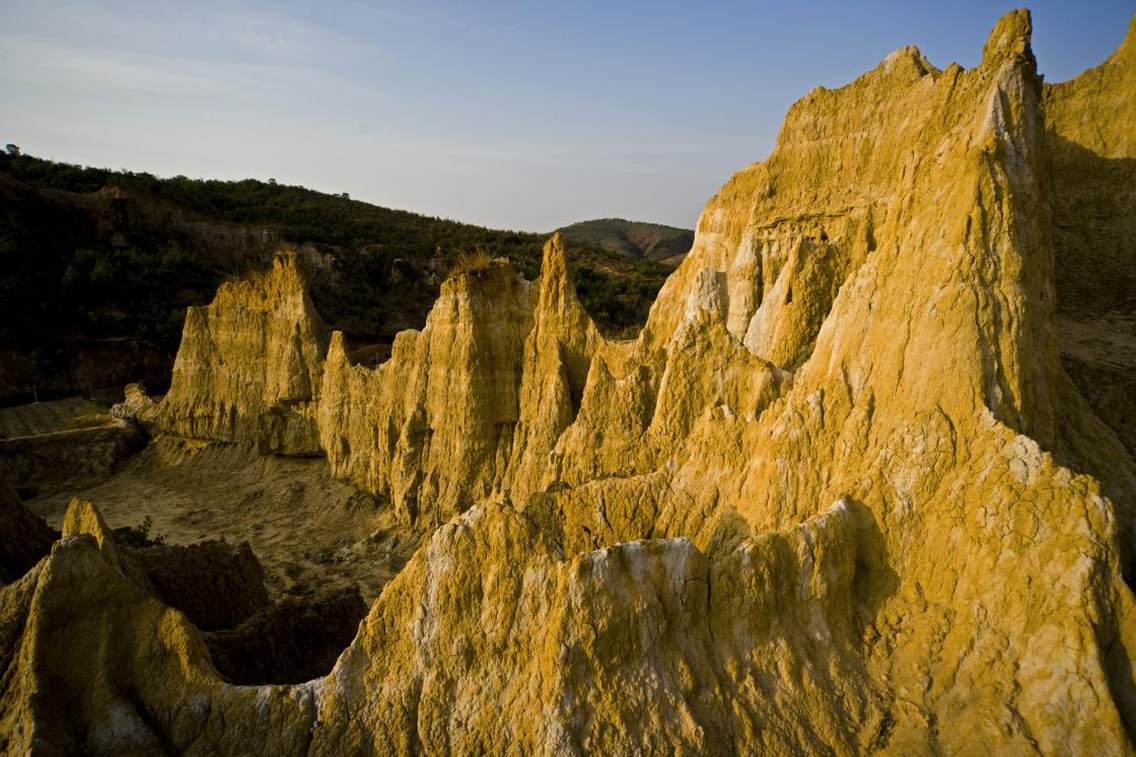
839 495
249 365
433 426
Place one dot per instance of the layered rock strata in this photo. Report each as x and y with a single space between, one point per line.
60 459
249 364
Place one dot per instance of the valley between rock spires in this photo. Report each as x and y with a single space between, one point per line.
861 484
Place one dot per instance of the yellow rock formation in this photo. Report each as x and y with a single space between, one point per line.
839 495
249 364
432 427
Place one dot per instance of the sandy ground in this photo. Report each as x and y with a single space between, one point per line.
308 529
1108 341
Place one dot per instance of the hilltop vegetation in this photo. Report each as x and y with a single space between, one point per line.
102 261
633 239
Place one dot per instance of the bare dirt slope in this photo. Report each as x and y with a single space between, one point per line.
44 417
308 529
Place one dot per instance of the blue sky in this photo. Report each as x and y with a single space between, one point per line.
512 115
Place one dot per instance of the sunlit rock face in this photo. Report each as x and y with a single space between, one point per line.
249 365
432 427
839 496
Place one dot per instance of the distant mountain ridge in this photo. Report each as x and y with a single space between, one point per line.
633 239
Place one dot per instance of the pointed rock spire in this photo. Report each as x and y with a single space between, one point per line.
554 263
83 518
555 280
1128 46
1010 39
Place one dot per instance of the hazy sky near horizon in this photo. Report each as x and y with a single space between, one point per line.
511 115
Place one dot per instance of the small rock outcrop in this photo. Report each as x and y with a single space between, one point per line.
136 405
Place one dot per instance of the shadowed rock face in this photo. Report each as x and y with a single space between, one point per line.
839 496
220 590
216 585
59 459
24 537
292 641
1094 233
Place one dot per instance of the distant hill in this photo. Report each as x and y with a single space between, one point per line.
97 268
633 239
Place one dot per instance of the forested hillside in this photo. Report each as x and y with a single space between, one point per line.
99 266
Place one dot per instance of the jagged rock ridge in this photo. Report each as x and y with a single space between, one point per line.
838 496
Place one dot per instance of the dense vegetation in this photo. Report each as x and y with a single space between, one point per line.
93 258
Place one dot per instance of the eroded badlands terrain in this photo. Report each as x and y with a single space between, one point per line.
864 481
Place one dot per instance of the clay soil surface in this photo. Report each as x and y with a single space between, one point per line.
309 530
